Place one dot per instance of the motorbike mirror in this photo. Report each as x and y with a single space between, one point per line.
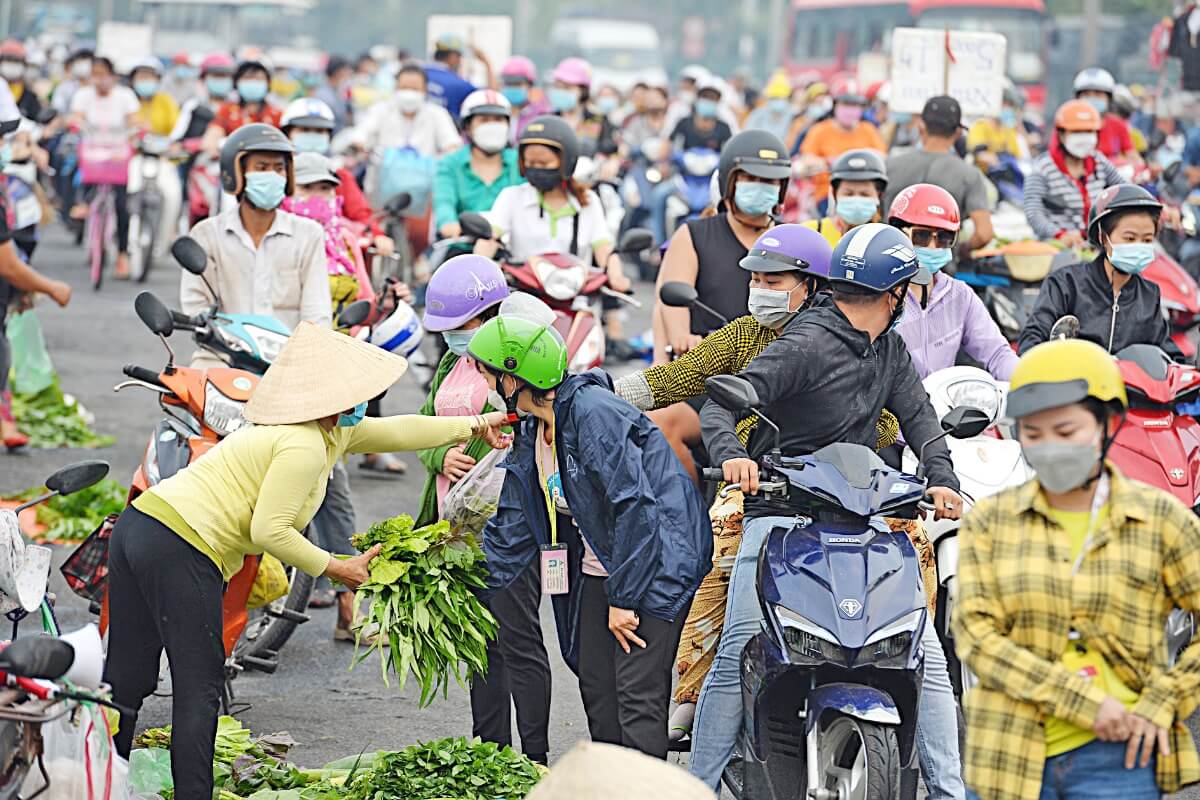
732 393
190 255
37 657
963 422
155 315
354 314
1172 171
475 225
73 477
46 115
1065 328
9 125
635 240
397 203
678 294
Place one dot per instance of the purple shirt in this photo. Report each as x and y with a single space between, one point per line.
955 318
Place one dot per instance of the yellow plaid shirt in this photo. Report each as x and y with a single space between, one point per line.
1018 601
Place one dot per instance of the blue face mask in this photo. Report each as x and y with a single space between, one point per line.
706 107
310 142
607 104
218 86
1008 118
145 89
265 189
1098 103
1131 258
353 417
457 341
856 210
252 90
5 155
516 95
562 99
933 258
185 73
780 105
754 198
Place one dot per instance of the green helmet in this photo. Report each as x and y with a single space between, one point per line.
533 352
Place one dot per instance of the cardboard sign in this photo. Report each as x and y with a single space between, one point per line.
490 33
125 43
968 66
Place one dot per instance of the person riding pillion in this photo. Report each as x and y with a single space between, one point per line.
857 182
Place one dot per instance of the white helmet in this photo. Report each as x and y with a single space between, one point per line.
1095 79
150 62
400 333
484 101
308 112
694 73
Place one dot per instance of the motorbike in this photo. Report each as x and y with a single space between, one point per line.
1179 296
643 176
830 686
690 186
26 208
1008 279
571 287
154 197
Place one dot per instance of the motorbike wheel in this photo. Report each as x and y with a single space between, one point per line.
270 628
857 760
147 239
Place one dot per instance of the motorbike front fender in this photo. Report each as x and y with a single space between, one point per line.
854 700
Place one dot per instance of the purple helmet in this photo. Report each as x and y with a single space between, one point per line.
787 248
461 289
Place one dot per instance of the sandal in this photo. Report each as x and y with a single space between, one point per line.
326 599
383 464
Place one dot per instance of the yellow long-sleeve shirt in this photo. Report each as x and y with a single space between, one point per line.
257 489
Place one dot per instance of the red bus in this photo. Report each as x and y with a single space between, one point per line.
828 36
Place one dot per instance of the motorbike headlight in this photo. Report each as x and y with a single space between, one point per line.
222 414
232 341
977 394
591 350
890 645
807 641
699 163
150 462
269 343
561 283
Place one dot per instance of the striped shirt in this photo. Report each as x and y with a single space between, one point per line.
1055 202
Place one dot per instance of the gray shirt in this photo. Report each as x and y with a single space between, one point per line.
963 181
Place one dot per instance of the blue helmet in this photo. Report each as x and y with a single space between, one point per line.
876 257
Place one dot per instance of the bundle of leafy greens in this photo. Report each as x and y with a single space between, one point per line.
75 516
53 419
422 605
449 768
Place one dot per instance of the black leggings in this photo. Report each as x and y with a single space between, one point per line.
162 592
121 202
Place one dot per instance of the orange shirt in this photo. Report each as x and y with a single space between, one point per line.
231 116
828 140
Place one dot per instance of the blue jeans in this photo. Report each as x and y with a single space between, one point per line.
1095 771
719 709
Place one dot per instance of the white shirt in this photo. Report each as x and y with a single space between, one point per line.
105 118
532 230
431 131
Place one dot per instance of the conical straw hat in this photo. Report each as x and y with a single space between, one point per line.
320 372
593 771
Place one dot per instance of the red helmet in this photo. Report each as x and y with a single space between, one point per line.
217 62
926 205
11 48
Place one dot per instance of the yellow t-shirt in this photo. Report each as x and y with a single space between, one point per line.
827 228
160 113
1063 736
993 137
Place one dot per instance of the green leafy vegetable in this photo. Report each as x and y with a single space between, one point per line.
455 768
53 419
421 605
75 516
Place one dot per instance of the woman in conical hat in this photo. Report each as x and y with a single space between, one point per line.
180 541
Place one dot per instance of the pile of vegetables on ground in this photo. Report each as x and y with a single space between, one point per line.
422 613
246 767
73 517
51 418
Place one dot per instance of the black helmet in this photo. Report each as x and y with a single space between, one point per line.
859 165
756 153
1119 199
257 137
553 132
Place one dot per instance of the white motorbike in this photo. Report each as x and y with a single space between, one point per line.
155 197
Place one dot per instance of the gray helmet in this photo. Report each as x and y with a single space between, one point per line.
756 153
859 165
256 137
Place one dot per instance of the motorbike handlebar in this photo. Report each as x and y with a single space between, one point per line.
142 374
712 474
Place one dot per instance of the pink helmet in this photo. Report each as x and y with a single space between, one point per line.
519 67
574 71
216 61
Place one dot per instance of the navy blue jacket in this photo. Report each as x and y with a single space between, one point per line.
639 511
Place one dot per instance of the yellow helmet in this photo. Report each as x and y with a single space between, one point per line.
778 87
1062 372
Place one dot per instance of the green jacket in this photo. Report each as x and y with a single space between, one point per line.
434 456
456 188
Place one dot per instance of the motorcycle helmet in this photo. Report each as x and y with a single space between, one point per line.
12 50
531 351
876 257
556 133
216 63
149 63
787 248
1077 115
518 68
859 165
400 333
925 205
1062 372
1095 79
461 289
307 112
256 137
484 101
1117 200
1123 101
756 153
848 90
573 71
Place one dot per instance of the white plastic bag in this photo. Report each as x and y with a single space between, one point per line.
24 570
80 759
471 502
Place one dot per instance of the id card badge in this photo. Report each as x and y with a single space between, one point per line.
554 569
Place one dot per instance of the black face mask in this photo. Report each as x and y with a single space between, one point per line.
544 180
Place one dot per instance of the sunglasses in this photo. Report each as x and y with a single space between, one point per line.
924 237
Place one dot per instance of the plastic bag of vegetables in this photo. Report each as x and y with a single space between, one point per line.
472 501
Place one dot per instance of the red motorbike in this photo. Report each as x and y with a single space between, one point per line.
570 286
1180 299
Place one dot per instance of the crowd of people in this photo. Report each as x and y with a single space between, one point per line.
834 316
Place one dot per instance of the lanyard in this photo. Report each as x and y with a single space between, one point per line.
1098 501
550 469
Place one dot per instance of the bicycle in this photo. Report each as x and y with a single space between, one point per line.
102 166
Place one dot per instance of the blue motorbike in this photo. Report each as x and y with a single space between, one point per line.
690 186
831 685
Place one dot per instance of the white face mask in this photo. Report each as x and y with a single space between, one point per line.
12 70
409 100
82 69
770 308
497 402
490 137
1080 145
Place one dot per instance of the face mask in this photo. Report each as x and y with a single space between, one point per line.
12 70
607 105
310 142
706 107
145 89
265 189
490 137
1080 145
218 86
314 208
5 155
1098 103
516 95
409 100
847 116
754 198
457 341
348 419
1062 466
497 402
901 117
81 69
1008 118
1131 258
687 96
933 258
818 108
779 105
770 307
185 73
562 99
543 180
252 91
856 210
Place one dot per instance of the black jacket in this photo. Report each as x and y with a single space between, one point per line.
1084 290
823 381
